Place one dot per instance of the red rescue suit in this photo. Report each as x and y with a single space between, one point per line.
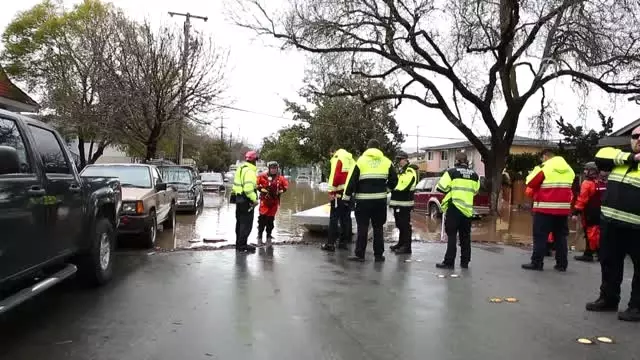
588 206
270 188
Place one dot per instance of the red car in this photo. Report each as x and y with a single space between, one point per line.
427 199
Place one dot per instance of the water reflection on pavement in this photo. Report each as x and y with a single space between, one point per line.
214 225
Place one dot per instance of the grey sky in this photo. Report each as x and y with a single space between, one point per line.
261 75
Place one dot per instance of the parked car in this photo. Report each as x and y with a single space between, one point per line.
186 181
147 201
303 179
228 177
428 199
212 182
54 222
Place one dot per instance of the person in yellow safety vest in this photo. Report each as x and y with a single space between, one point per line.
340 212
245 196
402 203
368 184
460 184
620 228
551 185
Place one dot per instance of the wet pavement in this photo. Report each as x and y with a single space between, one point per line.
295 302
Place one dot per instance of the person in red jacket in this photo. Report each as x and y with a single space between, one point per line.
270 185
587 205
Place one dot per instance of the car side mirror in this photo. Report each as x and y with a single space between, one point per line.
9 160
161 186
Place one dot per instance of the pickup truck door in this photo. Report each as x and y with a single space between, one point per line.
63 191
24 239
418 196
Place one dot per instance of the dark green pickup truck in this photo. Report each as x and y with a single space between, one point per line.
53 223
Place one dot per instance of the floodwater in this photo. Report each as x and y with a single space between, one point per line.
214 225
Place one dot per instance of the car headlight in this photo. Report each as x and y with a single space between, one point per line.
134 207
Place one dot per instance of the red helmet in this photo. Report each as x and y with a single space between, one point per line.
251 155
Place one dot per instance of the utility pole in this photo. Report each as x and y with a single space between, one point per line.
185 59
221 128
417 140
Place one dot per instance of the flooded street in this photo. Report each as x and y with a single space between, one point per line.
215 223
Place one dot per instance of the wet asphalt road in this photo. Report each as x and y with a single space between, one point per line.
295 302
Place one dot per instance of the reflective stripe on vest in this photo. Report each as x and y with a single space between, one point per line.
374 171
408 203
620 215
370 196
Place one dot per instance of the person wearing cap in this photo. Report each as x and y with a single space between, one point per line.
244 195
587 205
551 184
620 227
270 185
460 185
368 184
402 202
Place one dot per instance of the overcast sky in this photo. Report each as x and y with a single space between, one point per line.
261 75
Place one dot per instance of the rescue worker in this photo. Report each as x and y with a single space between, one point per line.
367 184
243 194
460 185
551 184
271 186
620 226
587 205
340 213
402 203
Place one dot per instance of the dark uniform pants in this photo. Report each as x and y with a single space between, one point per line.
618 241
558 225
402 216
265 221
244 223
457 224
339 222
374 212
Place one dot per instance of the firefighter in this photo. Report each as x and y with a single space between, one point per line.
340 213
271 186
460 184
551 184
243 194
367 184
402 203
620 226
587 205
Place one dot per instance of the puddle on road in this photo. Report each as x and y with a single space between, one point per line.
216 221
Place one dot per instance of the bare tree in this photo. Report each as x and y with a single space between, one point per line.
490 56
145 71
59 53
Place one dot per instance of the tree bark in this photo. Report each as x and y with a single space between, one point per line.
81 154
493 167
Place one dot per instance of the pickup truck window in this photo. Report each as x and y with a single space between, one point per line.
10 136
51 151
130 176
177 175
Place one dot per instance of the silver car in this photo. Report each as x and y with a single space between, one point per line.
212 182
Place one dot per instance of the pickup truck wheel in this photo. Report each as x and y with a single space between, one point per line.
434 211
151 232
170 223
96 265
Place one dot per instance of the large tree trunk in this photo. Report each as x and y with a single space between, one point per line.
493 168
81 154
151 149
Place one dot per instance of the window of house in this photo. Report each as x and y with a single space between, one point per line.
444 155
430 155
51 151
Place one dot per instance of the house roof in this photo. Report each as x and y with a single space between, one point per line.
626 130
9 91
620 137
517 140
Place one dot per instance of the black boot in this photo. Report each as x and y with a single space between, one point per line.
403 250
379 258
444 265
394 247
631 314
356 258
586 257
343 246
328 247
532 266
602 305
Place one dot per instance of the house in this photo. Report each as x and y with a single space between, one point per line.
14 99
620 138
441 157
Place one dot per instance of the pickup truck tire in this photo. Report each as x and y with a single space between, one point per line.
151 232
96 265
170 223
